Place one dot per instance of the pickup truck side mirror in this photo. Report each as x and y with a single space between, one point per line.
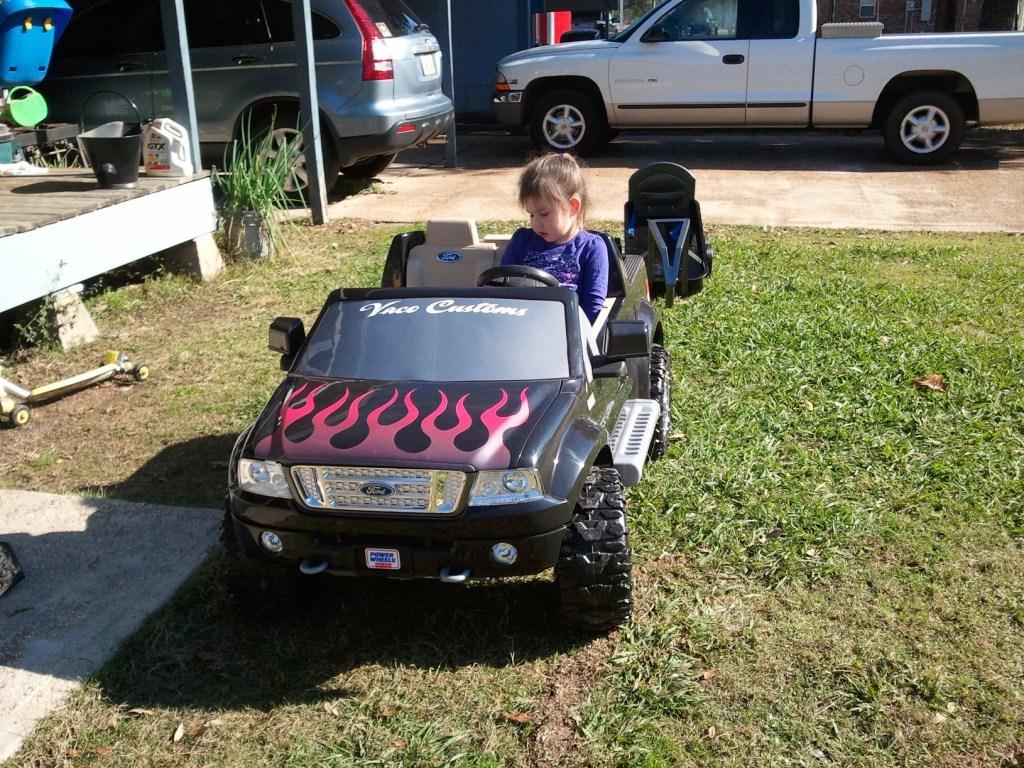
286 337
623 339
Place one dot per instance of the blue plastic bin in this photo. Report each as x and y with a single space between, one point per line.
28 31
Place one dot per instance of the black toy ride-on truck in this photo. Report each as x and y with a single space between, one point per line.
465 420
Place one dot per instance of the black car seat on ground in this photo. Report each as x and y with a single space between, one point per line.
10 568
666 191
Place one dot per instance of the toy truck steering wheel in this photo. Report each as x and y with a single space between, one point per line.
503 274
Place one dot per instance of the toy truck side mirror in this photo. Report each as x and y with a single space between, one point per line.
286 337
623 339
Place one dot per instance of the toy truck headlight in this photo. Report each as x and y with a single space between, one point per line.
263 477
510 486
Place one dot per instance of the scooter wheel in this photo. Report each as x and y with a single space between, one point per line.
21 415
140 372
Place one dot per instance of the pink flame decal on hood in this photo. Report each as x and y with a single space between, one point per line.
303 434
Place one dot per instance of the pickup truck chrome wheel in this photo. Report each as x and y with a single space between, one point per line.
564 126
566 121
924 128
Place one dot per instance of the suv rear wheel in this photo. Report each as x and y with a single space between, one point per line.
285 133
593 574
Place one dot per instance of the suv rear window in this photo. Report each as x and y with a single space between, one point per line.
439 339
392 17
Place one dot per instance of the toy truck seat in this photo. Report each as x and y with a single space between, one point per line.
662 221
451 255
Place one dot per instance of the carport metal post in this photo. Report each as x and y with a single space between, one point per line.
450 159
179 70
309 111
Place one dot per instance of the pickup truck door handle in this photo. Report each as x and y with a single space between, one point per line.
247 59
130 66
733 58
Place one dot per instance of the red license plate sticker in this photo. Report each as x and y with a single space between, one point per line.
383 559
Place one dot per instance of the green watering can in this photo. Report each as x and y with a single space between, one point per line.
25 107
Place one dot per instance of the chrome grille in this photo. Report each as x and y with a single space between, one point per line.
428 491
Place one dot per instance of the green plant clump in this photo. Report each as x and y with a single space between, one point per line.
251 192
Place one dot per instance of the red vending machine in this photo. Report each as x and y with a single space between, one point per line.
548 27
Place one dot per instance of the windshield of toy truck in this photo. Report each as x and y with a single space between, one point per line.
439 339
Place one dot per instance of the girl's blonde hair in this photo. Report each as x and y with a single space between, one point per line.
556 178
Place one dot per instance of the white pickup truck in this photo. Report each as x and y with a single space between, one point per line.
764 64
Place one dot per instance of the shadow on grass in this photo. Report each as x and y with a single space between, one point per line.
213 647
191 474
203 651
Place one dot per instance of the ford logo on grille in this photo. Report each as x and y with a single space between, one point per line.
376 489
449 256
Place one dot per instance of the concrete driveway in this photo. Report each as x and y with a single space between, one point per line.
802 179
94 569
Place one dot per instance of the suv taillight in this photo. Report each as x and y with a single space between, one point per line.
377 63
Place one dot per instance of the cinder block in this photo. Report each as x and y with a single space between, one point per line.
199 258
74 324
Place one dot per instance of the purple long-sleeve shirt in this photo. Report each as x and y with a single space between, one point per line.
580 264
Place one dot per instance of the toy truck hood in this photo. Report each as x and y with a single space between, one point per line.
471 425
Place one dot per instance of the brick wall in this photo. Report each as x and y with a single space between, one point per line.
946 15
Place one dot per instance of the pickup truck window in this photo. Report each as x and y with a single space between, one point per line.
625 34
696 20
439 339
769 19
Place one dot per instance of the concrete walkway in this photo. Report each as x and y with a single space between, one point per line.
94 569
765 179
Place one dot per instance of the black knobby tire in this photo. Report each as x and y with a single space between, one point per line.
576 113
661 391
367 169
593 574
284 124
924 128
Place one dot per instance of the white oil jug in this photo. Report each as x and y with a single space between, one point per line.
166 149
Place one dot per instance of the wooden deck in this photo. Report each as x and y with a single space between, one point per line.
29 202
60 228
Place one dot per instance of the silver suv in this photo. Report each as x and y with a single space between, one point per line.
378 74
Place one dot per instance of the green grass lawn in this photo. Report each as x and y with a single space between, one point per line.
829 560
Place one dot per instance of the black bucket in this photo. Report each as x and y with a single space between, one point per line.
114 151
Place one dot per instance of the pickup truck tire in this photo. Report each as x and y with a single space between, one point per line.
924 128
593 574
567 121
283 129
661 391
367 169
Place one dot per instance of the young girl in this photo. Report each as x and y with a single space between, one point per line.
552 191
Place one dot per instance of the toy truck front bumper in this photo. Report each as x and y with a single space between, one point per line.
421 548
